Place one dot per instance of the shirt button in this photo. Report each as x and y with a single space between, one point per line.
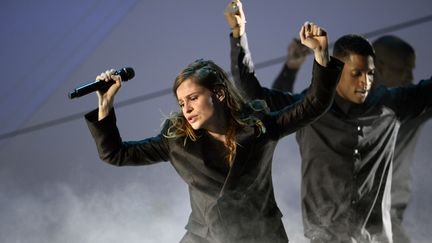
353 201
356 154
359 128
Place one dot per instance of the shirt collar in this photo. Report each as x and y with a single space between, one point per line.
348 107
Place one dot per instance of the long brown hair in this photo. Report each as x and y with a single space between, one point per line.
209 75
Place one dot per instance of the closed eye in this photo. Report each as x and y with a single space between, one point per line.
355 73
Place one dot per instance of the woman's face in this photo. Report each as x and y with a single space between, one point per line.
198 105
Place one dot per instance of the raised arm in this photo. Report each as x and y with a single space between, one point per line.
319 97
296 56
242 66
103 128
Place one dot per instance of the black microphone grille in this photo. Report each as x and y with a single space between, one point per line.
126 73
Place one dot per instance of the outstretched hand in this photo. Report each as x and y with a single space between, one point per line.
314 37
236 18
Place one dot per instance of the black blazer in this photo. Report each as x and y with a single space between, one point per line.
240 206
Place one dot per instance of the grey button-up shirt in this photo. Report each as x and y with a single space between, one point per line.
346 154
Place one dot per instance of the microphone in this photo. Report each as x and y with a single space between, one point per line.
125 73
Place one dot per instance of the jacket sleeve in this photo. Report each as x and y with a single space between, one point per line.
293 111
411 101
285 80
114 151
316 100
